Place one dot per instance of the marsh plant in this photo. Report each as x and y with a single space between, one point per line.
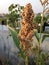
27 30
23 39
40 56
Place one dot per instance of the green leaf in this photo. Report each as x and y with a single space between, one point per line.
36 35
14 35
11 7
46 32
44 37
16 41
22 7
43 57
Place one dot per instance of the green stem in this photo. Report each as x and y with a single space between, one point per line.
26 61
42 22
38 57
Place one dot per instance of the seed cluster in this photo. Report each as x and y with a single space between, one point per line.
44 2
26 32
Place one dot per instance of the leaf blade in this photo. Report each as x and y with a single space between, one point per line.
36 35
44 37
16 41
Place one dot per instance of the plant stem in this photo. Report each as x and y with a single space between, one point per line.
42 22
26 61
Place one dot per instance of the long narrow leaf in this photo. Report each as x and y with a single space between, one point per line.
36 35
16 40
46 32
44 37
14 36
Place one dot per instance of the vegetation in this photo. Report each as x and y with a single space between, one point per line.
47 16
0 20
38 18
14 15
40 57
